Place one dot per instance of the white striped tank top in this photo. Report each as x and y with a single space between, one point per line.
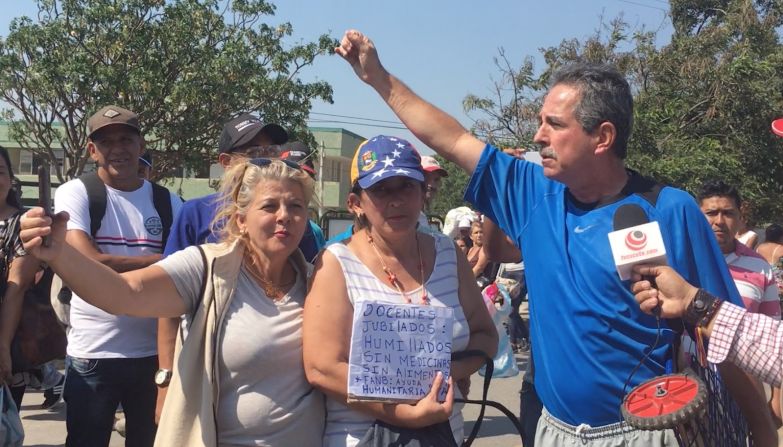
345 427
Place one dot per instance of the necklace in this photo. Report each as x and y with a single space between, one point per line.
392 277
272 290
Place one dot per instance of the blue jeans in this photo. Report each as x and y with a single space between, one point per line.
93 390
530 408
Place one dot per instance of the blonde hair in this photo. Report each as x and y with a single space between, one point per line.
237 191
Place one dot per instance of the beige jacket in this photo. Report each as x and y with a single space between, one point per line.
190 412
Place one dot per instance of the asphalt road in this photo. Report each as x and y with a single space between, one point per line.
44 428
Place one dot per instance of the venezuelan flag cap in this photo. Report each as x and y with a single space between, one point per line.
383 157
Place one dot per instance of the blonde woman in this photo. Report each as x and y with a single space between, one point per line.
238 378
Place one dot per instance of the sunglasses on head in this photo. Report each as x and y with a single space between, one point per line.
262 162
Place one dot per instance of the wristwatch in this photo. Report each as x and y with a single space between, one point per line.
701 310
162 377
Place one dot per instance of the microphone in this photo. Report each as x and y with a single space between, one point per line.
635 240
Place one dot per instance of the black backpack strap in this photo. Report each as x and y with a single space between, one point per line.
96 198
161 199
490 368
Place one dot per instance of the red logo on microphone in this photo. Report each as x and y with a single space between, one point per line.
636 240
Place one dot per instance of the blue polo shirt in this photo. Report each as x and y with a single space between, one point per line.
192 226
586 326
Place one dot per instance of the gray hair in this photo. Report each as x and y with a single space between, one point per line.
605 96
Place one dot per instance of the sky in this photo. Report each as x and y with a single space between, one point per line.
443 49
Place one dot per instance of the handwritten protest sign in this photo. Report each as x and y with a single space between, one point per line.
397 349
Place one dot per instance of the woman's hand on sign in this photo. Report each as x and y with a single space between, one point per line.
428 410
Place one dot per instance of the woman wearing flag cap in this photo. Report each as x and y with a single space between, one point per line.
388 260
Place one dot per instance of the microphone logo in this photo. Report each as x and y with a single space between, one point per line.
635 240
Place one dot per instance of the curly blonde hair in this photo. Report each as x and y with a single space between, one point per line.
237 189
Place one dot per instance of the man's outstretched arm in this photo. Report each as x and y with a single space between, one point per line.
432 126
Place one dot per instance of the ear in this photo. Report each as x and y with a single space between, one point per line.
605 136
92 149
225 160
242 223
354 204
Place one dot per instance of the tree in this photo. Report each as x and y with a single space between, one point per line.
452 188
703 102
716 89
185 66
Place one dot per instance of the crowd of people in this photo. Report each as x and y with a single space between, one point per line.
226 320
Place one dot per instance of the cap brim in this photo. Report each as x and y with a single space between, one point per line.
307 169
437 169
113 124
374 178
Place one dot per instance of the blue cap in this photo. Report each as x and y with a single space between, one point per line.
383 157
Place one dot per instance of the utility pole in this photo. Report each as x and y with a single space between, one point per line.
321 180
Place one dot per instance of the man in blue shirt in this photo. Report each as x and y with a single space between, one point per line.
587 330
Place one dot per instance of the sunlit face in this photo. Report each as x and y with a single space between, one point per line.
392 204
565 146
275 220
477 235
724 217
432 182
116 149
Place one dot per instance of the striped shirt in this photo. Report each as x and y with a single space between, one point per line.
345 427
753 342
755 281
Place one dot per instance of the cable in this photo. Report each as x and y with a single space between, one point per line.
642 5
646 356
356 118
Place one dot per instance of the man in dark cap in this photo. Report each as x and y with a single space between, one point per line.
111 359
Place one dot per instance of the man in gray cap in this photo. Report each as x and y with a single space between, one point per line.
112 359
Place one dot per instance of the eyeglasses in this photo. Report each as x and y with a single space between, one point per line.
257 151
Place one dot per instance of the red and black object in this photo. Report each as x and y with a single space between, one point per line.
675 402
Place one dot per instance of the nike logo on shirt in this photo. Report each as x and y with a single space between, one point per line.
579 229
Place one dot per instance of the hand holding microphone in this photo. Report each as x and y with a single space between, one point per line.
634 241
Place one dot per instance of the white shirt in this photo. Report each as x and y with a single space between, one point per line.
130 227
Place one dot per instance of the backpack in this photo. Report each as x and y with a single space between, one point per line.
96 197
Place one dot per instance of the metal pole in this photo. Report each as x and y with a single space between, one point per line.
321 181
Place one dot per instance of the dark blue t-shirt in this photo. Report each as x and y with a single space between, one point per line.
192 226
587 330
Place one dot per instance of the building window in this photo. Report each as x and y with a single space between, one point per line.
332 170
29 162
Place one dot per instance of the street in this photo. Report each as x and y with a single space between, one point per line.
45 429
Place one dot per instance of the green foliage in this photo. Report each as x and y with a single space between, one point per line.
703 103
185 66
451 190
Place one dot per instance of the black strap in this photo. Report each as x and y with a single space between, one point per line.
490 368
161 199
96 198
